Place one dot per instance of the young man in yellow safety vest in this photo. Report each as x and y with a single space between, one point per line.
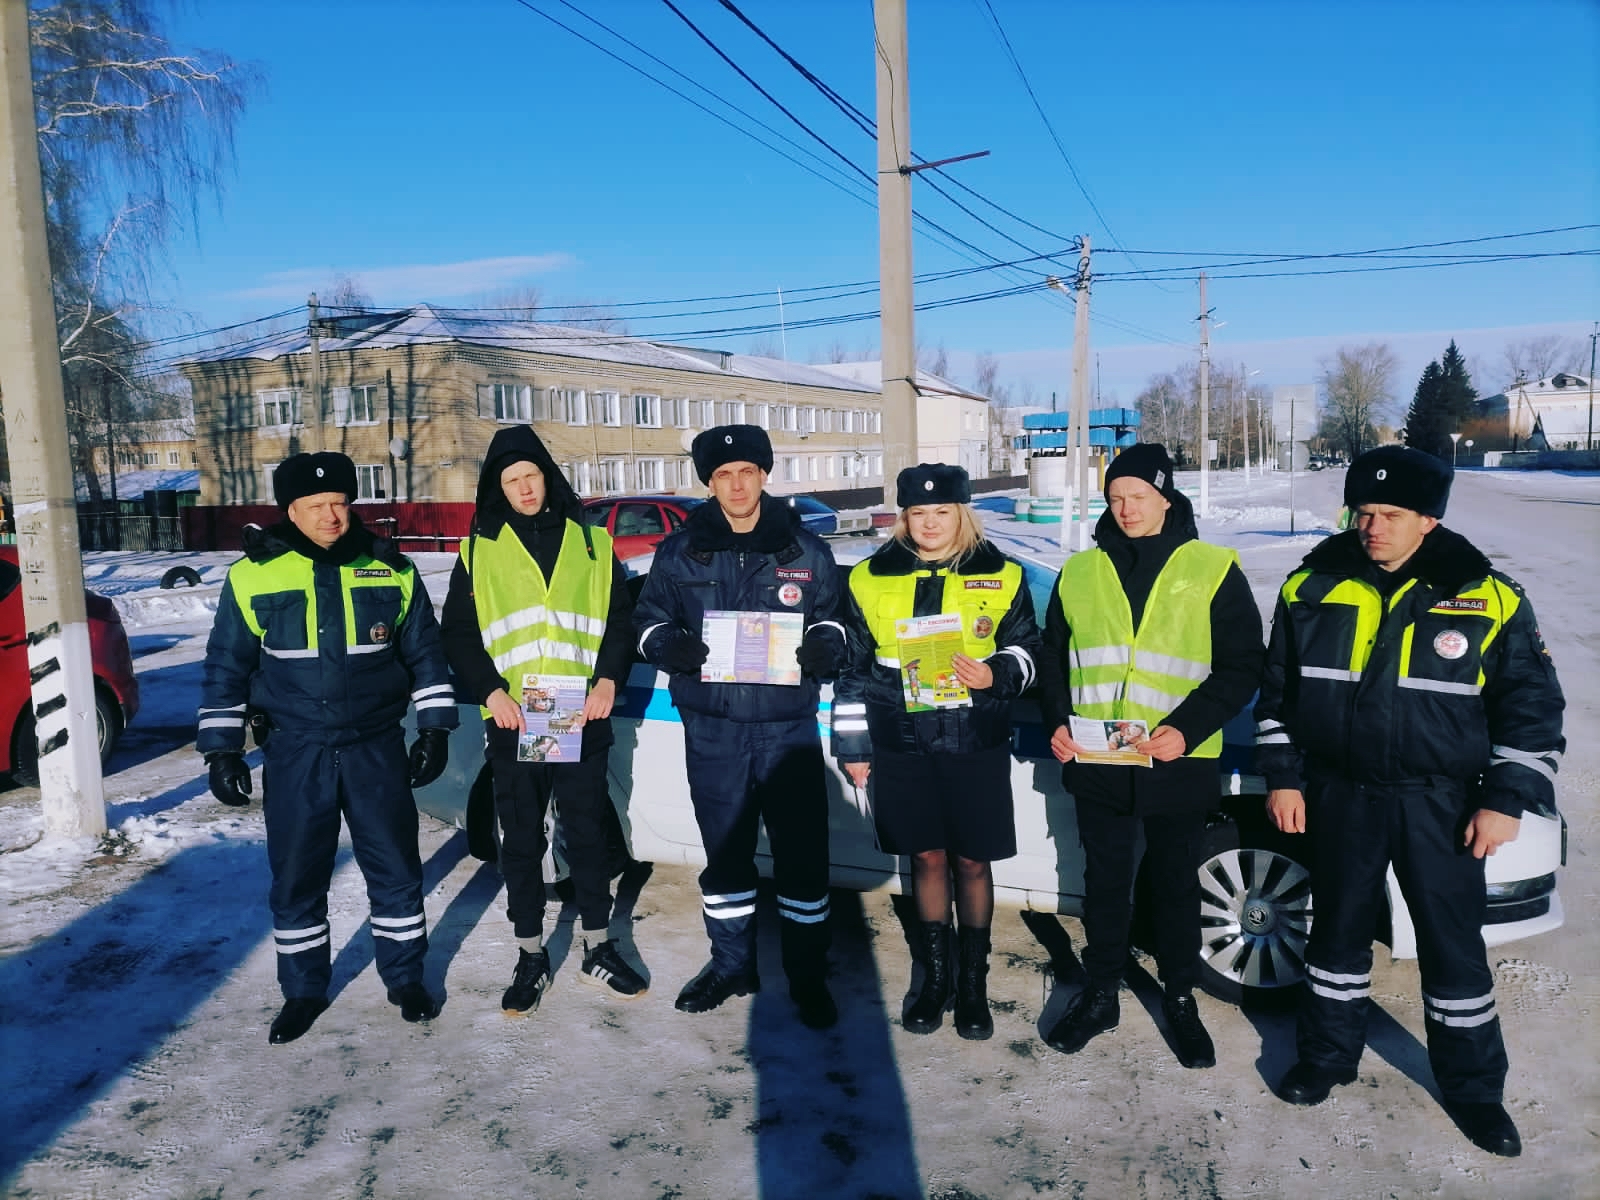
538 592
1157 626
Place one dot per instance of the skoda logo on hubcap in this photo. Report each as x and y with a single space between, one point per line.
1257 916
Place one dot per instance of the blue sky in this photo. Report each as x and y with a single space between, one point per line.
441 151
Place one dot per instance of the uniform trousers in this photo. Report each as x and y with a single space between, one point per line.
1171 862
743 774
522 792
1355 832
307 787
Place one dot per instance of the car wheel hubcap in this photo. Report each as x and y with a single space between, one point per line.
1255 916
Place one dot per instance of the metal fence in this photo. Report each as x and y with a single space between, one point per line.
107 529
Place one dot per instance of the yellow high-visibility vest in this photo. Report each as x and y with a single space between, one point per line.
982 600
533 626
376 598
1117 672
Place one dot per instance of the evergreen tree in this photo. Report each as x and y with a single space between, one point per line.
1458 398
1426 421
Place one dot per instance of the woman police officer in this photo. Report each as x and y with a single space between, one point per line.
943 774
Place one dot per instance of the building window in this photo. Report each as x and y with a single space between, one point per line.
874 465
760 414
876 421
847 465
847 421
607 408
647 412
371 482
509 403
578 475
786 419
680 412
127 458
650 475
791 468
280 407
249 484
173 458
355 405
827 420
148 459
812 471
686 475
613 476
732 412
569 405
833 465
808 420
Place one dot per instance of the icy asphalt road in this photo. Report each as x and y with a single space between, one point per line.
137 990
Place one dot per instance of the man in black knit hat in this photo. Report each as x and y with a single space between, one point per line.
328 631
1409 713
1157 626
753 750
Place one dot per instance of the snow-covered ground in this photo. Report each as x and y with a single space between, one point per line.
138 982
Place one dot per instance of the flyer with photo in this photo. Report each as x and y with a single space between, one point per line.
752 647
928 646
1110 743
552 718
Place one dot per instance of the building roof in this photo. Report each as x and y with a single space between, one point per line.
132 484
870 372
425 324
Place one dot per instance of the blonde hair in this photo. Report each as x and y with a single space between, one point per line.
969 532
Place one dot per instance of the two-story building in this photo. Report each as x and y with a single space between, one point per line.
414 397
952 422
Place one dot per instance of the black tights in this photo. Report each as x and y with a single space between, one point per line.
930 884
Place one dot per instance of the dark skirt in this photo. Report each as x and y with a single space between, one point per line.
958 803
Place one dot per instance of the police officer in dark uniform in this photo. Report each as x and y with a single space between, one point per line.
753 750
1408 715
328 633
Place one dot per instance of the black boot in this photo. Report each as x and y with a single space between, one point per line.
1092 1011
1189 1036
973 1021
927 1009
298 1014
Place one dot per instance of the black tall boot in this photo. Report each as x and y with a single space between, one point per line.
973 1021
927 1010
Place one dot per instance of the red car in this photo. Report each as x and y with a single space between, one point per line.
637 523
116 690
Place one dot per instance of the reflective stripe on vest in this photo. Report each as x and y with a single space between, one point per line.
1119 673
533 627
1456 633
375 599
982 600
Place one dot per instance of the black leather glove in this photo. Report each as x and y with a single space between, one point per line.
820 657
230 778
685 654
429 753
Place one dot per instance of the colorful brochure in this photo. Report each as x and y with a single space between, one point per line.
552 718
1110 743
928 646
752 647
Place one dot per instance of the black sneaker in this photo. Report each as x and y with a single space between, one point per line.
1092 1011
710 988
605 968
1189 1036
527 984
414 1002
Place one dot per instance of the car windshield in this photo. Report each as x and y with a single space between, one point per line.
806 504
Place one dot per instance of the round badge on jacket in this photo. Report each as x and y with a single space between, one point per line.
790 594
983 627
379 632
1452 643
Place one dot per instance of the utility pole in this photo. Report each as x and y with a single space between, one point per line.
316 375
1589 443
1205 401
71 789
1080 397
1244 420
894 242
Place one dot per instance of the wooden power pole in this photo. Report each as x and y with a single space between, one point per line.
1205 401
1079 438
894 243
44 500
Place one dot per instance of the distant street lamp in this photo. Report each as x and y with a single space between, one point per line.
1455 441
1469 448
